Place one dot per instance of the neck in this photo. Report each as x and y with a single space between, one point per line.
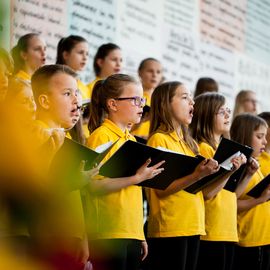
47 119
267 148
120 124
177 128
29 70
217 138
149 91
102 75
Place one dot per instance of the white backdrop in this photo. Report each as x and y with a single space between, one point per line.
227 40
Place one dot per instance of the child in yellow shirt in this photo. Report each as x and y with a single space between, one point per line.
116 237
252 251
211 119
264 158
176 218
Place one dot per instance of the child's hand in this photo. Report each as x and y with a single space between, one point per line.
144 250
57 138
207 167
238 161
89 174
252 167
145 172
265 196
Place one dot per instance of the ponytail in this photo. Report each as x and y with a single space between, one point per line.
97 106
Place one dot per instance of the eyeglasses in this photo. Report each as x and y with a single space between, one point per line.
138 101
224 111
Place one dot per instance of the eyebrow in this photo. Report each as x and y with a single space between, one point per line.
71 89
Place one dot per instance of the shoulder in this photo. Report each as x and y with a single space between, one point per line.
98 137
158 139
206 150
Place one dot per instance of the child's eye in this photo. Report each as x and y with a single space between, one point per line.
67 93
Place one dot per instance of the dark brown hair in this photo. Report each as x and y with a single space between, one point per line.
266 117
102 52
66 45
205 84
22 46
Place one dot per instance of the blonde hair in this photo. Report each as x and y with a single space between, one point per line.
244 125
239 101
203 122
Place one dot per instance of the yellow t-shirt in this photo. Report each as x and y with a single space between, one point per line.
181 213
24 76
92 84
118 214
84 90
64 216
143 128
220 211
254 224
264 161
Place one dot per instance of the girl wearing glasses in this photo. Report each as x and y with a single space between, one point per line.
253 249
29 54
211 119
176 217
116 237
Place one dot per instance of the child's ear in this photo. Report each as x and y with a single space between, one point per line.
112 104
65 55
100 62
23 55
44 101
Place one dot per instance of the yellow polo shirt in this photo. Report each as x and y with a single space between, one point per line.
143 128
64 216
181 213
92 84
118 214
264 161
83 89
24 76
220 211
254 224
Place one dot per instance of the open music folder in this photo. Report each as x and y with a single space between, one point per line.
228 147
226 150
132 155
257 190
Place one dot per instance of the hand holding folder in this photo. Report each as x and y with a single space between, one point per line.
68 161
132 155
227 149
257 190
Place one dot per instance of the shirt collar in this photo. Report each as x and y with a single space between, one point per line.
115 129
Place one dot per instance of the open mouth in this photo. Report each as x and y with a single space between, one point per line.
76 111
